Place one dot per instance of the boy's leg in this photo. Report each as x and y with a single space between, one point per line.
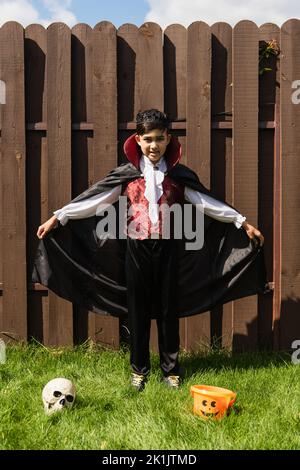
168 342
139 278
167 321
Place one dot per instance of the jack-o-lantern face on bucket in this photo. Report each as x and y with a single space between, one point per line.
212 408
211 402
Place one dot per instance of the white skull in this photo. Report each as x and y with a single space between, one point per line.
58 394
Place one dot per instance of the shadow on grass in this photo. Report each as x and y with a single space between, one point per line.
212 360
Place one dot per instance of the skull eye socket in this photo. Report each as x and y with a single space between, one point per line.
213 404
56 394
69 398
204 403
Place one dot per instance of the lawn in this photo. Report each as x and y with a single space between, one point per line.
108 414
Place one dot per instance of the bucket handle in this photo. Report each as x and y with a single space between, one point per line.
231 402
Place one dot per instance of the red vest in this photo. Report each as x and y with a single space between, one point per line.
139 221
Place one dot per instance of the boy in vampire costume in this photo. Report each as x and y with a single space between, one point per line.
143 271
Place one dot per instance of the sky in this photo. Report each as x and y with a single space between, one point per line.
163 12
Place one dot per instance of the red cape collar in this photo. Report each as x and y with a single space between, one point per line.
133 152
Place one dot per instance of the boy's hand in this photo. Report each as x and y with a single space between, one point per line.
253 233
46 227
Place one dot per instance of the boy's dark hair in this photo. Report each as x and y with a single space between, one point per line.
151 119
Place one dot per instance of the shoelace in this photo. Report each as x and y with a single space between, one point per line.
137 379
174 379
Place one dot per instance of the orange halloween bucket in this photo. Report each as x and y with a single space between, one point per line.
211 402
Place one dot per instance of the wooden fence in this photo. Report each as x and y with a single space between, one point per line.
71 100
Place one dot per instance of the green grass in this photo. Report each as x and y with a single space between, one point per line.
107 414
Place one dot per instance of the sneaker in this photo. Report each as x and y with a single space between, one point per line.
172 381
138 381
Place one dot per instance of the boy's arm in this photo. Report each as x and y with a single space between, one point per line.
87 207
214 208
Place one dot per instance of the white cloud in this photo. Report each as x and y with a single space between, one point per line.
60 11
166 12
18 10
25 12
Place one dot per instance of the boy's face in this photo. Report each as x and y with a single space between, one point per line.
154 144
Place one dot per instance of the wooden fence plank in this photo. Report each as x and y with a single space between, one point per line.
245 158
127 52
83 170
290 148
36 168
221 154
105 136
198 130
175 71
14 319
175 76
149 74
59 158
268 219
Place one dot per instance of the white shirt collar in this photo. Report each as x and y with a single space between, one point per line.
145 162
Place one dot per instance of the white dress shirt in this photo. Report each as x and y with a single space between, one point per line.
153 191
87 207
154 176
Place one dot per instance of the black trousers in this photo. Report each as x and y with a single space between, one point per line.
151 283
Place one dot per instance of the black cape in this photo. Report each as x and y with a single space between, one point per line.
75 264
